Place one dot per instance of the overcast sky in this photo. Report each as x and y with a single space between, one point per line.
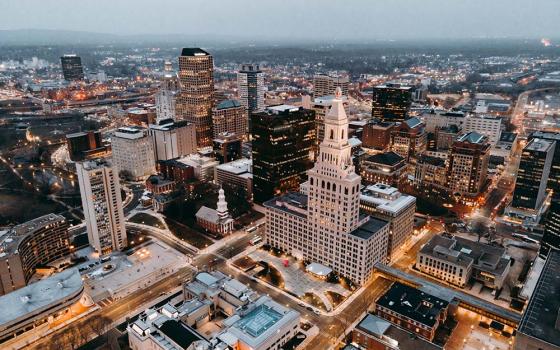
298 19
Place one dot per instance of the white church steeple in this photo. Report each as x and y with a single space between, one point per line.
222 204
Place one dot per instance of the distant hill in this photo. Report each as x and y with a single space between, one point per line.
69 37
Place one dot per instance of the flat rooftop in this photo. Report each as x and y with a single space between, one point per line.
10 239
387 158
40 296
282 109
413 303
541 318
370 228
238 167
388 333
539 145
294 203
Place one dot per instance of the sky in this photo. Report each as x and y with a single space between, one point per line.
297 19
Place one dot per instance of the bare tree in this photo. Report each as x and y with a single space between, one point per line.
479 229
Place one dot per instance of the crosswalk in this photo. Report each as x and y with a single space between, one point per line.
106 302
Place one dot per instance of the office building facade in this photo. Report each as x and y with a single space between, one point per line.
173 139
72 69
133 153
196 98
84 145
230 116
387 203
391 102
102 205
283 138
25 246
250 85
468 165
326 84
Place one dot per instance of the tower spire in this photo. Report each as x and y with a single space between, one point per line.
222 208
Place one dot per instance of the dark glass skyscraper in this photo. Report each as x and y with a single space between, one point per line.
554 176
391 102
532 176
283 137
551 236
72 67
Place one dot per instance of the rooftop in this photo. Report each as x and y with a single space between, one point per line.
436 161
260 322
238 167
472 137
179 333
413 303
541 318
194 51
388 158
539 145
370 228
282 109
386 198
228 104
509 137
413 122
10 239
390 334
40 296
293 203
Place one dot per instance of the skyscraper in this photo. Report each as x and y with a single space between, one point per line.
325 85
532 178
230 116
250 82
554 176
195 101
325 226
173 139
165 105
283 138
468 165
72 69
102 205
391 102
551 236
133 152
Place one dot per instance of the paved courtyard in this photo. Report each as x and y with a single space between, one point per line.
298 281
469 335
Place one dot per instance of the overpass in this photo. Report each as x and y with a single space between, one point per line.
462 299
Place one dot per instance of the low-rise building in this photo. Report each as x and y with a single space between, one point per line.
486 125
161 330
430 173
374 333
387 203
39 304
457 260
203 166
217 221
413 310
265 324
377 135
388 168
238 173
159 184
409 139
